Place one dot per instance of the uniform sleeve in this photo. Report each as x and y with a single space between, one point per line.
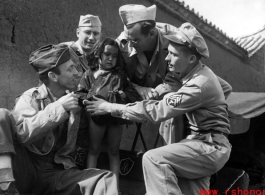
162 90
33 124
131 93
172 105
171 84
227 88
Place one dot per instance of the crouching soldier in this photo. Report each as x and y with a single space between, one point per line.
46 124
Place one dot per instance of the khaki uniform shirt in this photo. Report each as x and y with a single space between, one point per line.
37 117
172 130
201 98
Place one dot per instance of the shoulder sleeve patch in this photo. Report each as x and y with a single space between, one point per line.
174 100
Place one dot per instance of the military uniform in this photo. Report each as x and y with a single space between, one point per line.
155 70
185 167
81 57
41 126
49 135
202 153
170 130
140 71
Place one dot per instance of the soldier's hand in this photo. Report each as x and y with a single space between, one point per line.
69 101
147 93
97 106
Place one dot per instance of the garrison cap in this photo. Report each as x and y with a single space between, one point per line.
48 57
133 13
189 36
89 21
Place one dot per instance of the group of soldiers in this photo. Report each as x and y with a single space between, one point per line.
38 138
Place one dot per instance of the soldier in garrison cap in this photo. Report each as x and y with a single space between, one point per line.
44 124
184 167
144 48
88 33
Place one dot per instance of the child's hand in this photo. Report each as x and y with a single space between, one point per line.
122 94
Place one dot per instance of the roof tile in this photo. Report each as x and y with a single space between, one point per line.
252 43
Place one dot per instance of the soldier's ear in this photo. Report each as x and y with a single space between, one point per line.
77 32
52 76
193 58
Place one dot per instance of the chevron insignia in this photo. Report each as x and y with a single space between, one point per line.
174 100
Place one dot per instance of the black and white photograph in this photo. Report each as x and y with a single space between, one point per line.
132 97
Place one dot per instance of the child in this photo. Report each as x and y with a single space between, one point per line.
105 79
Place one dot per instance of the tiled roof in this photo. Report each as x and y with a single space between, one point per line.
252 43
179 10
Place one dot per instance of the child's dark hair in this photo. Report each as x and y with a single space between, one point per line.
98 49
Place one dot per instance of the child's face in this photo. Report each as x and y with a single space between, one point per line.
109 57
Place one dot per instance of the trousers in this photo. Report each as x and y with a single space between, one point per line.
185 167
33 175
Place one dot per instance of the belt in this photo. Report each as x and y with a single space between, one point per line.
208 131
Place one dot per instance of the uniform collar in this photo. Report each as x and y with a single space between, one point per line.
134 52
42 92
191 73
128 49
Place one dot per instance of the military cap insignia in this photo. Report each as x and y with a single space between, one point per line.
174 100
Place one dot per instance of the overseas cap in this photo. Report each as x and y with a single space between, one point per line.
135 13
89 21
48 57
188 35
